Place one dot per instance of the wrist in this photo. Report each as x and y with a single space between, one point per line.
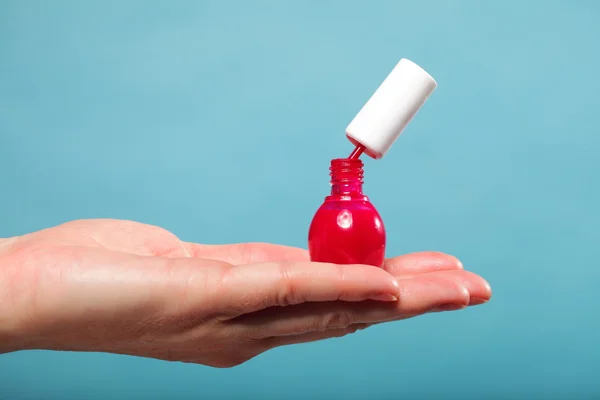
11 338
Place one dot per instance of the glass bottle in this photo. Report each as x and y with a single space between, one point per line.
347 229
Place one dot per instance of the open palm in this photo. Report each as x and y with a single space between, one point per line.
130 288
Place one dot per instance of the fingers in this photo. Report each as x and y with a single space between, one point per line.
277 341
409 265
249 288
312 317
418 295
248 253
479 289
420 263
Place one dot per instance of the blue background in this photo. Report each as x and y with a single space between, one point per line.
217 120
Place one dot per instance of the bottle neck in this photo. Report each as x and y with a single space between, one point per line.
346 177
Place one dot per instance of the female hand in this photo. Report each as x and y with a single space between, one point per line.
128 288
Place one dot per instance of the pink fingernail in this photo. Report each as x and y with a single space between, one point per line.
475 301
384 297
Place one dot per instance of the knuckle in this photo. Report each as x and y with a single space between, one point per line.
460 293
340 271
356 327
216 280
350 330
289 292
338 333
336 320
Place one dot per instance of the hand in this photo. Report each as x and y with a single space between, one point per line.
129 288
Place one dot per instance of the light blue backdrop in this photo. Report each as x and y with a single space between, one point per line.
217 120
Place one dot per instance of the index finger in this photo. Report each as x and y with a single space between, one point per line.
253 287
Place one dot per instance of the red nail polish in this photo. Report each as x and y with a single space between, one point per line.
347 229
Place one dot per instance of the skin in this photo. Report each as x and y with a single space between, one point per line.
129 288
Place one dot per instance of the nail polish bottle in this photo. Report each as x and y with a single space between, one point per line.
347 228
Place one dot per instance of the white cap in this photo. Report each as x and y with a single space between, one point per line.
393 105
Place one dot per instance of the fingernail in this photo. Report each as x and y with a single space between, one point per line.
448 307
475 301
384 297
